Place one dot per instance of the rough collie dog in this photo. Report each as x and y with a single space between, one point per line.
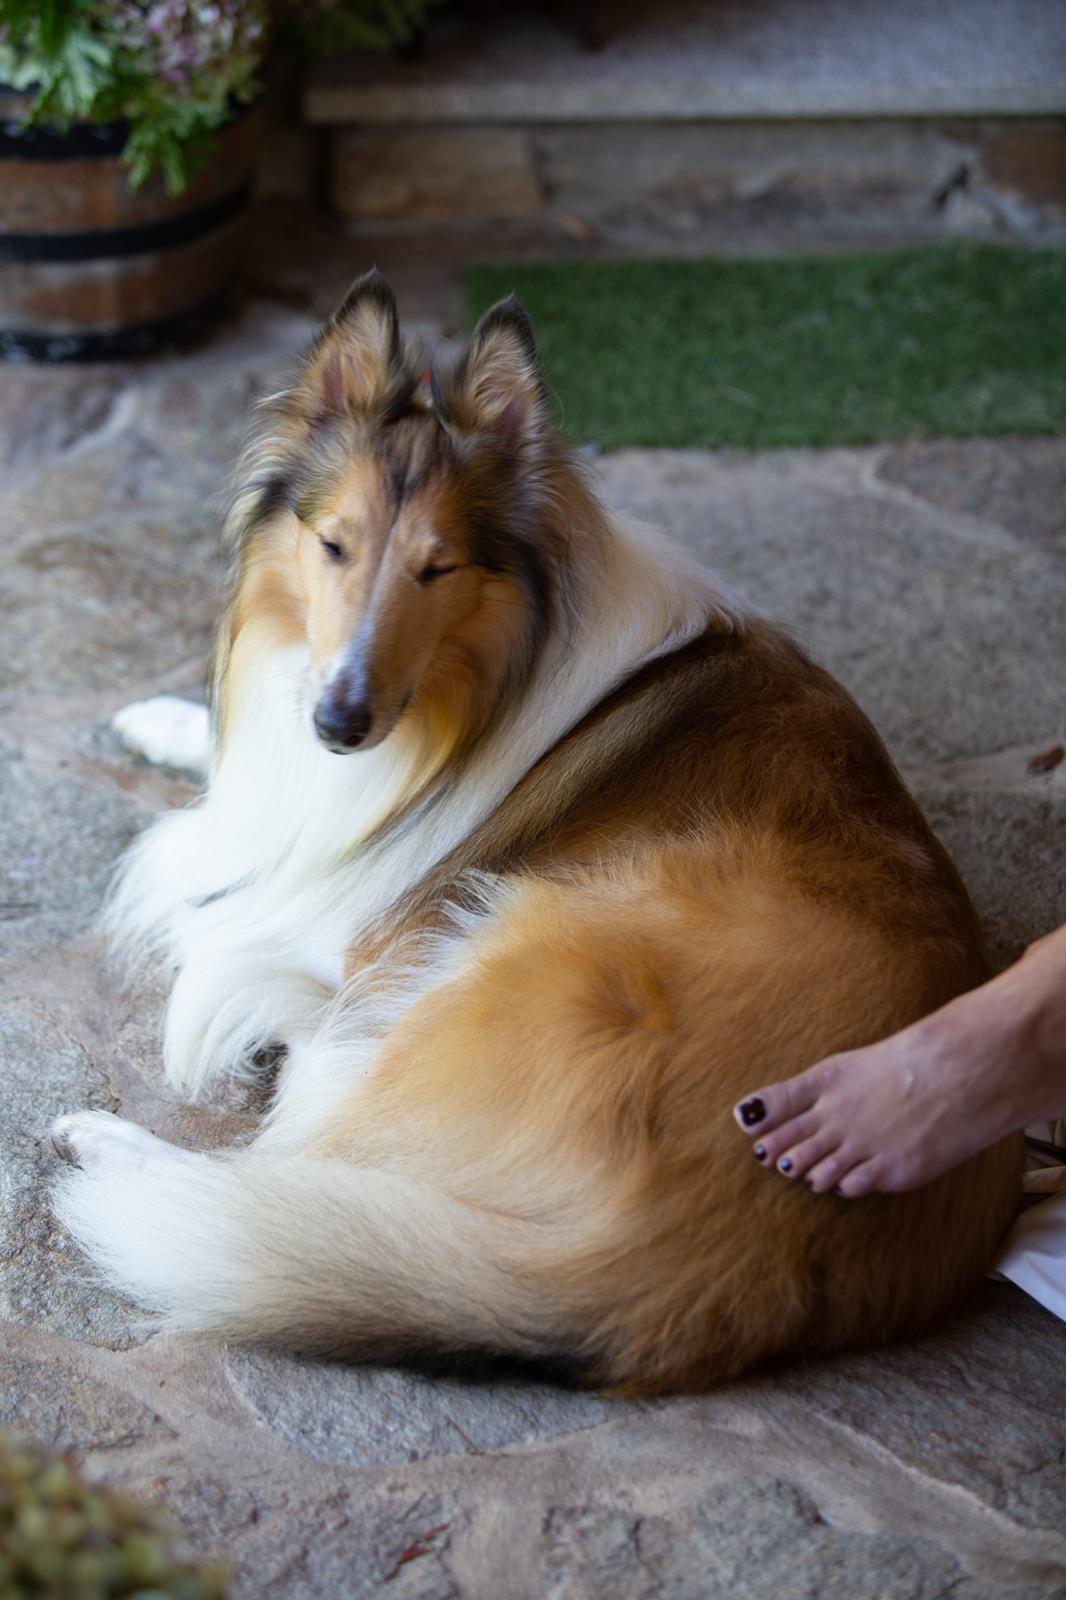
534 851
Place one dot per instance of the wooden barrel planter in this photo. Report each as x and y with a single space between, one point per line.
92 270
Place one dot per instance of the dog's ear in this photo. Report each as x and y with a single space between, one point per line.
357 366
496 387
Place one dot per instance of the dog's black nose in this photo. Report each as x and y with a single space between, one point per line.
342 727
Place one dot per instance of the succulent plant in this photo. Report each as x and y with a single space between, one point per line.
62 1539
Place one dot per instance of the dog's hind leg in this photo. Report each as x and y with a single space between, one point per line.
92 1138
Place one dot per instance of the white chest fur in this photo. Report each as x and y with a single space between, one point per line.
254 895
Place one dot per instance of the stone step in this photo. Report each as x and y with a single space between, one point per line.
849 113
738 59
676 180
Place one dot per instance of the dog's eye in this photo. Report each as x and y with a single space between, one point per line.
334 551
428 574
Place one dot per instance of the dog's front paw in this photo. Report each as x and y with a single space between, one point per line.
168 732
225 1013
198 1042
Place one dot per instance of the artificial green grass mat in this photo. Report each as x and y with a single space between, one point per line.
953 340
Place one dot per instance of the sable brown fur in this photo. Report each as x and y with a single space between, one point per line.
724 853
711 877
738 886
723 880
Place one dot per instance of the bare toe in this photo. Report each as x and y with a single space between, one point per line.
772 1146
798 1160
760 1113
862 1179
827 1173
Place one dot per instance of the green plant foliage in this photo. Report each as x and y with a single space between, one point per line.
51 49
175 72
351 25
953 341
63 1540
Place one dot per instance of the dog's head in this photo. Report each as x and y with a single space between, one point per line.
410 518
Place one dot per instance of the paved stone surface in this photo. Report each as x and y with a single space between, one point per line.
932 578
58 842
1010 848
864 576
70 1411
403 1416
43 1072
760 1537
885 1395
1019 484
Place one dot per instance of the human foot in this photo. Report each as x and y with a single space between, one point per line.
899 1113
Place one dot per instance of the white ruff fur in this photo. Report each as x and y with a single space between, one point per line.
280 829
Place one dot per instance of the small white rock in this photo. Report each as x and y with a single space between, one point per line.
168 732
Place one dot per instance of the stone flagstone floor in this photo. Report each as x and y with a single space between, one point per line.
932 579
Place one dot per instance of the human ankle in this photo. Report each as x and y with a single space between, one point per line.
1049 949
1029 1018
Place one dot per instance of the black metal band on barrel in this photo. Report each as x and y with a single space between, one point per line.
82 141
103 244
118 344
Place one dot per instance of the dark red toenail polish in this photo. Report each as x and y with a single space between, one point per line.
751 1112
785 1164
760 1152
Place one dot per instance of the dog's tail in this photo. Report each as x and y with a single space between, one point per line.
381 1263
313 1253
